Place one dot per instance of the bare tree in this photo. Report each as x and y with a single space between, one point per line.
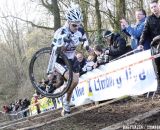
54 9
84 7
98 20
120 13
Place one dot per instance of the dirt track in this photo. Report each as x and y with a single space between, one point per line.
105 115
93 117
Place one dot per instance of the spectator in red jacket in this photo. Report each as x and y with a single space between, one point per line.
5 109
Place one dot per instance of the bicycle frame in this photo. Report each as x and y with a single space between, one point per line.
52 60
54 54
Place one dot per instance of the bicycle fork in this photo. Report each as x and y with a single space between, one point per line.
53 65
52 60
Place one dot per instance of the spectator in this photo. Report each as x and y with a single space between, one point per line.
5 109
136 31
25 105
89 64
10 107
152 25
117 44
35 101
102 58
17 106
13 107
151 30
81 62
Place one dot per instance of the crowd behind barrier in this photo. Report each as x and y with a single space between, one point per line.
45 104
17 109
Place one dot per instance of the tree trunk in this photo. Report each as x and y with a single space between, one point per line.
54 9
98 21
56 13
120 13
84 7
140 4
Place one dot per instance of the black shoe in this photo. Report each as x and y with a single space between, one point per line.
65 113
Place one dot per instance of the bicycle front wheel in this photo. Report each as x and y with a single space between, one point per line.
38 71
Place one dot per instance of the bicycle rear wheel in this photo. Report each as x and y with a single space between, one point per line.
155 49
38 71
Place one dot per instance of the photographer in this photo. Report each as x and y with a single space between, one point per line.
117 45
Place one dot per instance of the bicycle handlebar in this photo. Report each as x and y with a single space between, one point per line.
66 39
82 39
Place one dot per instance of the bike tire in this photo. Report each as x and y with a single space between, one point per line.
35 82
153 52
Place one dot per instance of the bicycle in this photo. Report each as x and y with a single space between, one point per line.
53 55
155 52
155 45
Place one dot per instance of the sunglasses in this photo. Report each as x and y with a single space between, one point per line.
74 25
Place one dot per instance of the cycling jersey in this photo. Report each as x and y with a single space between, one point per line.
74 41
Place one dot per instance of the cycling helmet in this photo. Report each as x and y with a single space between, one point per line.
74 14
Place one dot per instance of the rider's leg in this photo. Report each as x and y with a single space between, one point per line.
54 82
56 78
67 97
66 100
73 85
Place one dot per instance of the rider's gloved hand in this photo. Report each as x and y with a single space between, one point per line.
82 39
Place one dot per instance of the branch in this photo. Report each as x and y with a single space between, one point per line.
34 25
47 5
111 17
107 14
64 4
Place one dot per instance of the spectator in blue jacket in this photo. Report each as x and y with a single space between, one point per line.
136 31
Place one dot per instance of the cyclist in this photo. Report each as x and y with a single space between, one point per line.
70 35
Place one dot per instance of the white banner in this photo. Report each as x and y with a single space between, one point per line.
132 75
